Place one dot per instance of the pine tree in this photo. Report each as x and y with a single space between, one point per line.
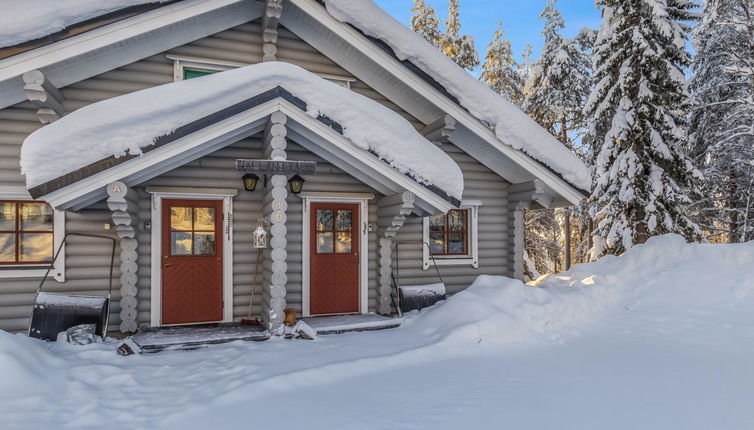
722 134
424 21
500 70
561 82
458 47
636 112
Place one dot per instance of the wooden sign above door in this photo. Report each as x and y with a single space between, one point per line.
274 167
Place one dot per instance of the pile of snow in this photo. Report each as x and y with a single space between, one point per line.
666 274
130 122
511 125
23 21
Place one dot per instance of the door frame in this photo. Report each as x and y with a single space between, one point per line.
160 193
363 201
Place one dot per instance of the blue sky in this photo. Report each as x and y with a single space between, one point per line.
480 18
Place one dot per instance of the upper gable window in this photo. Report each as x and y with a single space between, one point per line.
191 73
194 67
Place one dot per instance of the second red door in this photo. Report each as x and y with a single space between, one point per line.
334 254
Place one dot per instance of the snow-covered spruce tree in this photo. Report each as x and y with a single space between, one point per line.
561 82
500 70
722 138
424 21
458 47
636 111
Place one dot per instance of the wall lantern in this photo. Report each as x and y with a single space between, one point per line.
250 181
259 236
296 184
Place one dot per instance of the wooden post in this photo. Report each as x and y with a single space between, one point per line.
124 206
519 241
272 13
391 215
275 207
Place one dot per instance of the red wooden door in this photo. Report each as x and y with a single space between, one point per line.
334 254
192 261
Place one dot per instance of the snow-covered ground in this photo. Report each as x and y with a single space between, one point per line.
661 338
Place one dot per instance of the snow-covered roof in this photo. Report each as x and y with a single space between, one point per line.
511 125
128 123
24 20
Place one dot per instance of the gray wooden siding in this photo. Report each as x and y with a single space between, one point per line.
494 230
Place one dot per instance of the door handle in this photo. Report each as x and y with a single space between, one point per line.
167 264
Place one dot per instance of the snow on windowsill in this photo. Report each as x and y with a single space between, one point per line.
126 124
510 124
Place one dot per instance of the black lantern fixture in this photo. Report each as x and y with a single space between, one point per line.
250 181
296 184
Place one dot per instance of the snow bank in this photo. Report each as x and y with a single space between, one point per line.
511 125
24 20
130 122
665 273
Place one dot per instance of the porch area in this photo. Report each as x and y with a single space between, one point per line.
188 337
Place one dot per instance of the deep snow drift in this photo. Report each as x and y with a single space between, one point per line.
128 123
660 338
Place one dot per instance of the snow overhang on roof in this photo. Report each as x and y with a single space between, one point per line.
105 42
504 122
92 143
25 27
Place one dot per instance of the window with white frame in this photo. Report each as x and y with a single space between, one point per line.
185 67
452 238
30 233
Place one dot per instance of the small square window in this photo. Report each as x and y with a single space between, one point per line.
26 232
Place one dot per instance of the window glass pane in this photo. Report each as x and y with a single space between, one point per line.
343 243
457 220
36 217
324 220
180 219
437 223
180 243
456 243
204 243
35 247
343 221
204 219
195 73
7 247
324 243
437 243
7 216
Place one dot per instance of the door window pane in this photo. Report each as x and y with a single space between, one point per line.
36 217
180 218
343 221
204 243
343 243
204 219
35 247
324 220
180 243
7 216
324 243
7 247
